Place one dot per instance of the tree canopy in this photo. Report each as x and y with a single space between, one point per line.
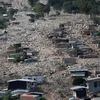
32 2
77 6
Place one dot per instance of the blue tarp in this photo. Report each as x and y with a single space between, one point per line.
30 60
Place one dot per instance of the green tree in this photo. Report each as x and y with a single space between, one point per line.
46 9
17 59
95 19
7 96
12 11
41 8
3 23
32 2
42 98
3 10
77 6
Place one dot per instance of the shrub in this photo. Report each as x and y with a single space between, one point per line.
17 59
41 8
42 98
3 10
32 2
31 20
37 16
96 20
3 23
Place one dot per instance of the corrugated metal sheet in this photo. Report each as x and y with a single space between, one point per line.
78 74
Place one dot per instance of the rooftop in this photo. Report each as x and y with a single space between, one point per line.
91 79
77 69
78 87
83 46
25 80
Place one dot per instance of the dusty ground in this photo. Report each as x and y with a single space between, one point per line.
48 65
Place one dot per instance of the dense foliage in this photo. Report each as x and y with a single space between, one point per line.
32 2
3 10
41 8
71 6
8 96
77 6
12 11
42 98
95 19
4 20
3 23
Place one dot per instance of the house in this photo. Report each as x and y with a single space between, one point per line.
90 55
29 97
93 84
59 40
25 84
26 48
72 43
79 43
78 72
28 60
36 78
40 94
79 93
69 61
17 45
62 45
83 47
11 57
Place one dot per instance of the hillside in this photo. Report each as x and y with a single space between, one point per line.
50 64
